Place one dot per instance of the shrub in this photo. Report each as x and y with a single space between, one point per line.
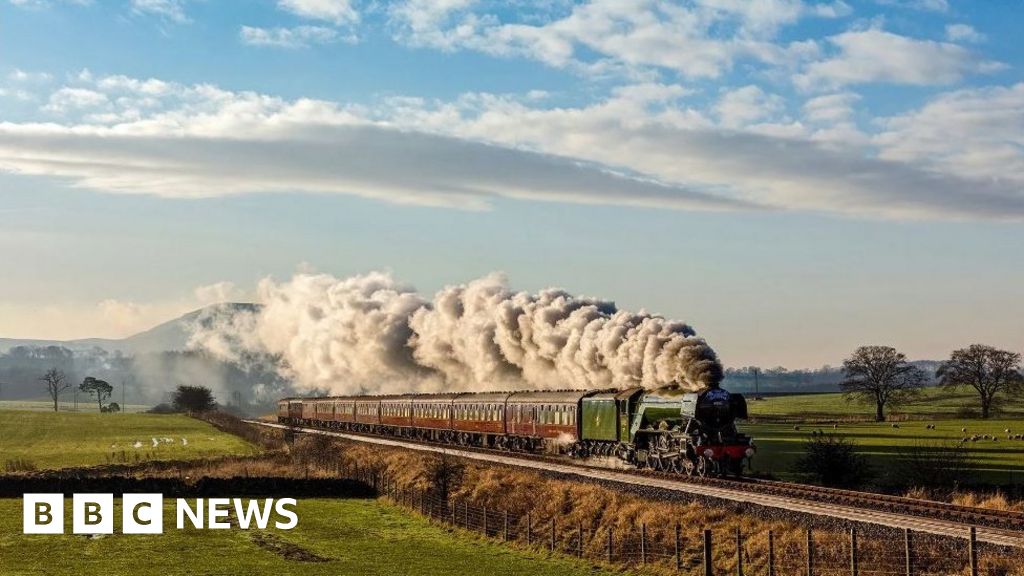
832 460
444 474
162 408
935 465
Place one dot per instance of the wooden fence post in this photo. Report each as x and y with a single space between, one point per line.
709 570
810 553
739 552
771 553
643 544
552 534
504 529
579 539
529 529
854 568
609 546
466 519
455 505
908 547
678 549
485 521
972 550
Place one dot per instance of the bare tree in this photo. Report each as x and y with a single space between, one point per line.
988 370
56 382
881 375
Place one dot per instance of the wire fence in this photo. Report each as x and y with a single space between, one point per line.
672 548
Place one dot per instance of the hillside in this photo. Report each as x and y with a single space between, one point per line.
170 336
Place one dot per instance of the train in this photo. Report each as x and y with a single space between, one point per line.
667 429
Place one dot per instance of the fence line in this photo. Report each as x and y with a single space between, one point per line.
670 548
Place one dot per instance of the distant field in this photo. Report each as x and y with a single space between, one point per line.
1002 461
779 444
63 439
47 406
933 403
362 537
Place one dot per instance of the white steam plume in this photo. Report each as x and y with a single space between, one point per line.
369 334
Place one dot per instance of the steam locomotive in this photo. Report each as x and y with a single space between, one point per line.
667 429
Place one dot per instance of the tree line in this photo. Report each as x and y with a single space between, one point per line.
882 375
191 399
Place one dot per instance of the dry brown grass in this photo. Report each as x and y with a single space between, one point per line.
597 509
989 500
992 501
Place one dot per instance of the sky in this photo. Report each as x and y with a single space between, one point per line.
793 178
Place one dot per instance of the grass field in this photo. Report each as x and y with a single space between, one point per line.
933 403
59 440
780 444
996 462
84 405
363 537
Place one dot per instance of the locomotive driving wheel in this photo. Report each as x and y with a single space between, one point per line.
687 466
706 467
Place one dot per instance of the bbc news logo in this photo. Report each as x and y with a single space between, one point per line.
144 513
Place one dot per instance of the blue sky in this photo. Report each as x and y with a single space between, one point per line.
793 178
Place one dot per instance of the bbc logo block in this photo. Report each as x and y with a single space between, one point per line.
43 514
92 514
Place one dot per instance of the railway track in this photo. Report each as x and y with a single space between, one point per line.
999 527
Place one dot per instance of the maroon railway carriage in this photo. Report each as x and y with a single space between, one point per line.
367 410
432 414
482 413
344 411
396 411
534 417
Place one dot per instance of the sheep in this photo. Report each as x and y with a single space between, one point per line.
796 427
895 425
963 429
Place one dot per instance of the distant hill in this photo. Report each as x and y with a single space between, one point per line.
170 336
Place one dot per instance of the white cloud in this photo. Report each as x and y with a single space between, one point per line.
743 106
68 99
45 3
336 11
172 10
297 37
926 5
830 107
210 142
973 132
874 55
963 33
22 77
702 39
219 293
641 146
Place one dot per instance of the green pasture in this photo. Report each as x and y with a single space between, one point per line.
85 404
934 402
63 439
998 461
363 537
